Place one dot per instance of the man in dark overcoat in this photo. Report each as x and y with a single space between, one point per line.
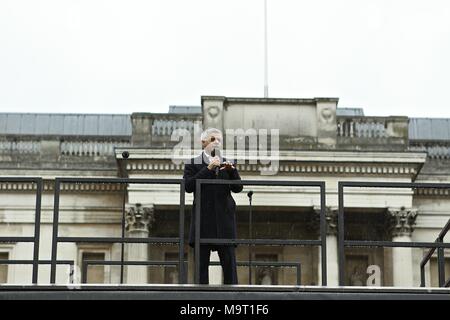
218 208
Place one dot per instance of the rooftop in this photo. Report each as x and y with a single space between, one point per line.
65 124
72 124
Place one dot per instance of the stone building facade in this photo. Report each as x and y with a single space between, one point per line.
314 141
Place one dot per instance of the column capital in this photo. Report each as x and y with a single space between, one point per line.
331 217
401 221
139 217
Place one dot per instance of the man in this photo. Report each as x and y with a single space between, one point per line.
217 216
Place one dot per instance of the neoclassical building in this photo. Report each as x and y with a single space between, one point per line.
313 140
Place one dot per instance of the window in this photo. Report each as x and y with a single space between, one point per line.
95 273
4 268
434 277
171 272
266 275
356 269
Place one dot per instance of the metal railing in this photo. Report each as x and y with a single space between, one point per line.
294 242
87 263
278 264
440 257
342 243
37 223
48 262
167 240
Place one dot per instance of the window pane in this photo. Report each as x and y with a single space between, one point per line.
434 276
171 272
266 275
95 273
3 268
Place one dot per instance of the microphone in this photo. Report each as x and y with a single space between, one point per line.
213 154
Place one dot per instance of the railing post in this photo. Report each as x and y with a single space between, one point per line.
84 267
323 233
441 264
37 228
422 276
122 245
197 232
341 235
55 231
182 278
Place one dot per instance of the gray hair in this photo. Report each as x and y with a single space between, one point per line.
205 134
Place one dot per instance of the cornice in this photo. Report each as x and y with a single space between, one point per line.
290 162
49 185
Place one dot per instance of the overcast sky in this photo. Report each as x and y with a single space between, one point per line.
91 56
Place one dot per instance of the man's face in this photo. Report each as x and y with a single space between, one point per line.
214 140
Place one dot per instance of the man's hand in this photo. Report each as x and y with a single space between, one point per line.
227 165
215 162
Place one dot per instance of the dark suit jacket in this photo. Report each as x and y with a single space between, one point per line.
218 208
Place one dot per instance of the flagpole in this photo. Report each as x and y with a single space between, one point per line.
266 80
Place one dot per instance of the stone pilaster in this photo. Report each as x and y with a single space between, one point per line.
213 112
401 225
401 221
141 129
139 220
326 121
331 216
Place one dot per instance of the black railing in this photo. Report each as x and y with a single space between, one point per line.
87 263
167 240
37 223
273 264
48 262
440 258
250 242
342 243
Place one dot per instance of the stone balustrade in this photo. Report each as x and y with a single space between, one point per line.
378 133
20 146
155 130
90 147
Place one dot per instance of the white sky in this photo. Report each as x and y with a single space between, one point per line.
89 56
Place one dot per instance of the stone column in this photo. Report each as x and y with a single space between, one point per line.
401 226
138 222
331 215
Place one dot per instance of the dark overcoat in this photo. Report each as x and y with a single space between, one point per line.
218 208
